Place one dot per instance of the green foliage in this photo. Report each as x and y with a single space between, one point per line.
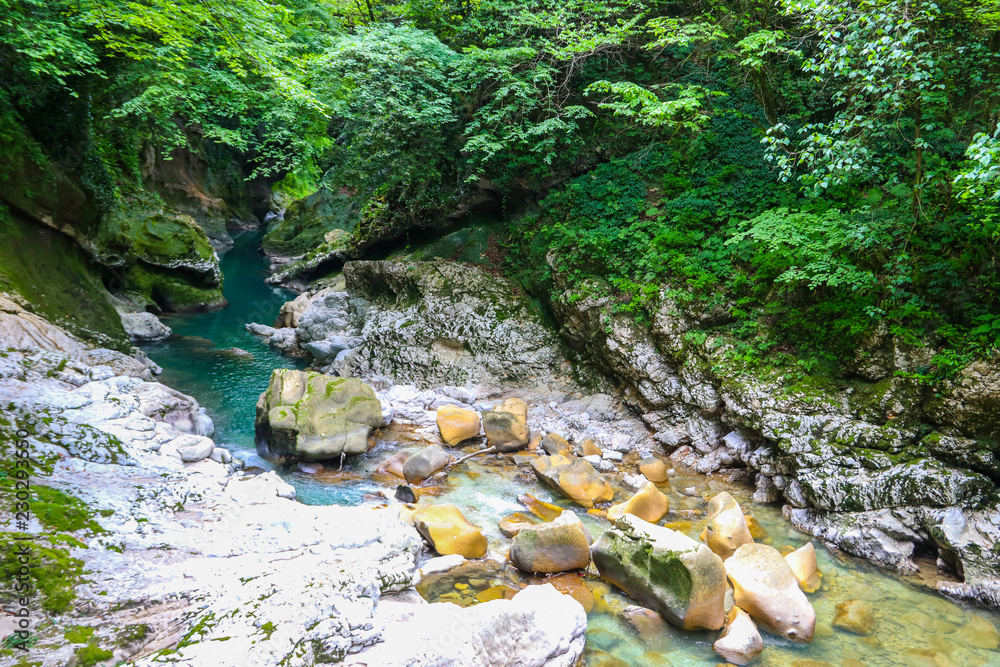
91 654
54 575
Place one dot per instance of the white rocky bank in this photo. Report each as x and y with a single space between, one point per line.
227 568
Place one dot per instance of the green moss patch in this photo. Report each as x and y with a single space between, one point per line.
53 577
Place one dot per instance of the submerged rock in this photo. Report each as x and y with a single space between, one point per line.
855 616
741 642
425 463
305 415
449 532
558 546
506 426
648 504
665 570
727 528
575 479
457 424
764 586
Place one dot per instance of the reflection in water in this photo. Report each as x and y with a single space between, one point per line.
914 625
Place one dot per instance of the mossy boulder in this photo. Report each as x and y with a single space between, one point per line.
310 416
666 571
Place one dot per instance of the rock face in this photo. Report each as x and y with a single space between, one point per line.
432 324
558 546
764 586
310 416
648 504
538 627
843 454
665 570
727 530
449 532
457 424
741 642
425 463
507 426
576 479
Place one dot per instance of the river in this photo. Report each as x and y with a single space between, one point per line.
915 626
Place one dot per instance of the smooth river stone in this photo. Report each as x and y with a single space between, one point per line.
425 463
765 587
457 424
576 479
553 443
449 532
727 529
654 470
804 567
741 642
648 504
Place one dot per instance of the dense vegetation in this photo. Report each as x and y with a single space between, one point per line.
825 171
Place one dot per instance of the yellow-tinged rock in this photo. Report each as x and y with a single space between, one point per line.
577 479
654 470
543 510
457 424
648 504
590 448
856 616
574 586
553 443
727 529
449 532
741 642
512 524
804 567
764 587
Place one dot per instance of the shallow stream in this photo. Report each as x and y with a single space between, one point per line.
915 626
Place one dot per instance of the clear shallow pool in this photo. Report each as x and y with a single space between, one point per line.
916 627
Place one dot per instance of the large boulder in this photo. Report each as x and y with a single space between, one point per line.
765 587
648 504
457 424
506 426
449 532
311 416
666 571
558 546
576 479
727 529
425 463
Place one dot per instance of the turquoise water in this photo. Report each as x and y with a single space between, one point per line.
915 625
194 361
